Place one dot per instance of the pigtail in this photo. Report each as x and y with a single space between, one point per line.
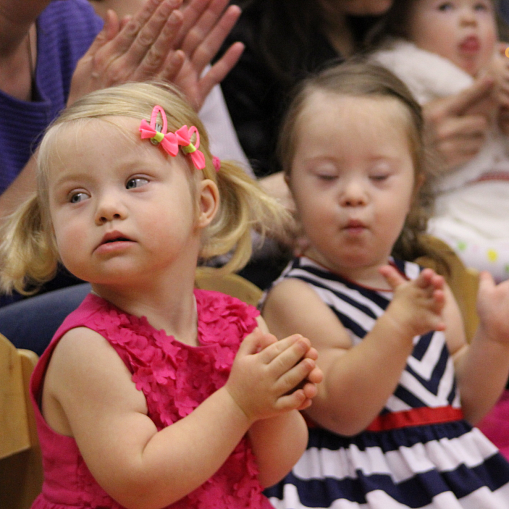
244 206
27 258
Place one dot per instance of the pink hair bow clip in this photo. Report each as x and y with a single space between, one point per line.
184 140
169 141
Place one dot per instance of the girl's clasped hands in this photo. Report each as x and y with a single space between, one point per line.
269 377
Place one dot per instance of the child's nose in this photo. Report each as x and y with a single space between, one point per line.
109 208
468 17
353 195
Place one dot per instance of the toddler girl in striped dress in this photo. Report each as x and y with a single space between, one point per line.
392 424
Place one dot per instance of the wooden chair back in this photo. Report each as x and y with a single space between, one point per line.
20 455
231 284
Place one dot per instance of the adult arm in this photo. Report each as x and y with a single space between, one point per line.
19 190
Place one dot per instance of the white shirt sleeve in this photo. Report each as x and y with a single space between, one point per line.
223 139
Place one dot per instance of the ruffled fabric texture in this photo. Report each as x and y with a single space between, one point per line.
175 378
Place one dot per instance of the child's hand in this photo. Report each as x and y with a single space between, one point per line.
309 384
417 305
270 377
493 307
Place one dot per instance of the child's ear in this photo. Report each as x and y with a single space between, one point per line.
208 202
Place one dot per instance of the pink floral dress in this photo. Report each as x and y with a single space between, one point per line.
175 378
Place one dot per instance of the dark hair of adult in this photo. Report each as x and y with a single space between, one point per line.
286 31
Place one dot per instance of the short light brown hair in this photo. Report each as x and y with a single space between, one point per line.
357 78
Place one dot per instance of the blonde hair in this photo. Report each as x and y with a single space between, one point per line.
28 251
357 78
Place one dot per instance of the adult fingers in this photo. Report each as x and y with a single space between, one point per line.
89 73
172 66
160 53
109 58
141 34
210 31
90 62
460 103
456 152
467 127
459 139
192 12
111 28
220 69
134 25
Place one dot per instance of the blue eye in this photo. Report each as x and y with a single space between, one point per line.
78 197
135 182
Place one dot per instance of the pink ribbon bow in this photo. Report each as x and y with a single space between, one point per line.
184 140
169 141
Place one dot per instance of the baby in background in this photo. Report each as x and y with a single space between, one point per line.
438 48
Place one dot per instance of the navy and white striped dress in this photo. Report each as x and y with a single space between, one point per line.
419 452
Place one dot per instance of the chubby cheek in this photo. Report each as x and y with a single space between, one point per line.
315 216
395 222
69 241
490 44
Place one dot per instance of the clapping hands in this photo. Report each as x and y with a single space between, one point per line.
161 41
270 377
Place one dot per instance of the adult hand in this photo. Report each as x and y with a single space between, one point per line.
137 49
499 71
456 126
206 25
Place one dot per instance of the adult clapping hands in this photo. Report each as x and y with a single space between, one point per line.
162 40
